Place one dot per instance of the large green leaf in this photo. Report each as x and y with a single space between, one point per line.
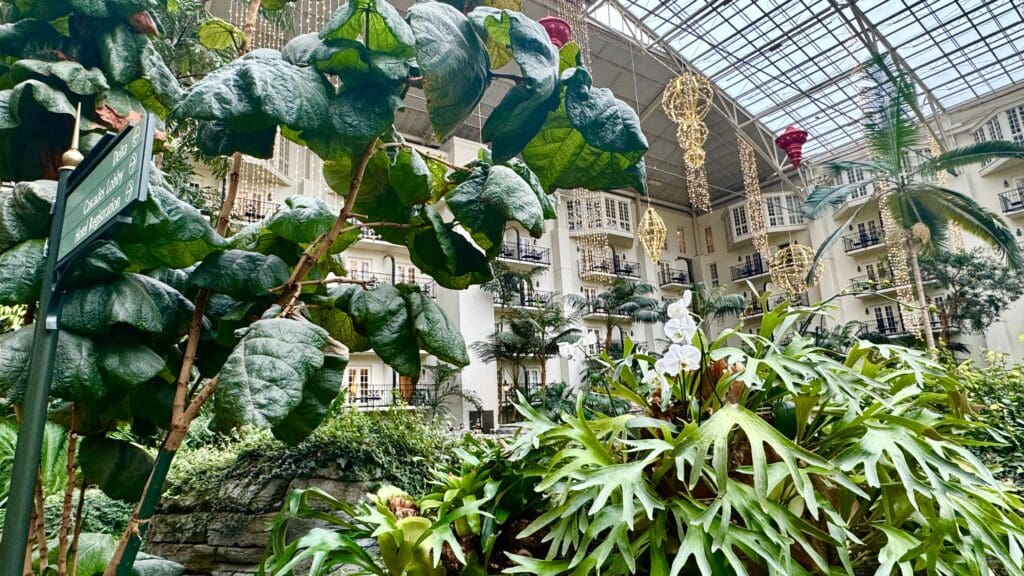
401 320
318 393
185 235
355 64
148 565
76 370
78 79
521 113
592 140
216 138
24 212
31 37
105 262
241 275
447 256
21 271
119 468
334 317
411 177
32 130
112 8
131 60
376 22
127 363
134 300
489 198
263 379
453 61
302 220
218 34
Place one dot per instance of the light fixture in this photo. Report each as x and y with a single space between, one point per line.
792 142
652 233
895 247
687 100
792 269
755 203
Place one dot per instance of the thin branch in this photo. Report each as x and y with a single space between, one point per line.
69 493
73 554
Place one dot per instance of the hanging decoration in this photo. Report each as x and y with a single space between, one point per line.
895 247
652 233
956 236
792 269
755 203
687 100
792 141
574 14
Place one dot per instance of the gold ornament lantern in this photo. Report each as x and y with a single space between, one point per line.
792 267
652 233
687 100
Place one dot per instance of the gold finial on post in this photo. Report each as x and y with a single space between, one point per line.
73 157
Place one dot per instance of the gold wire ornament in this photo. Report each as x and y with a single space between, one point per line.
792 269
652 233
687 100
755 202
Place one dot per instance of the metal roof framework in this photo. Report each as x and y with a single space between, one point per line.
796 62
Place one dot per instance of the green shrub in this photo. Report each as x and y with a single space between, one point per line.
397 446
997 390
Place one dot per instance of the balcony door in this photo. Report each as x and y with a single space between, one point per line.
359 384
360 268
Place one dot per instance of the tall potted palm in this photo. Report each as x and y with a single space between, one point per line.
625 298
920 205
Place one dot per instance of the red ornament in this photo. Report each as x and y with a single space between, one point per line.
558 30
792 142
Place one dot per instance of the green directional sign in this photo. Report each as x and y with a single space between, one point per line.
114 182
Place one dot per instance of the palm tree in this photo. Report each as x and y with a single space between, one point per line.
549 325
625 298
508 283
714 303
920 206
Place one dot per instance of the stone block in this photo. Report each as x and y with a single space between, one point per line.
238 529
243 556
194 557
263 496
178 528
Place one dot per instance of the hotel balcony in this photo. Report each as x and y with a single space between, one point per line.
863 242
611 268
372 396
617 232
377 278
756 310
745 271
523 252
874 284
526 299
673 278
1012 202
895 326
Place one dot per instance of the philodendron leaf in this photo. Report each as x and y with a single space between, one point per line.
185 235
240 274
318 393
521 113
591 141
302 220
217 34
21 272
491 197
447 256
119 468
76 371
399 321
376 22
144 303
94 551
411 177
453 61
263 379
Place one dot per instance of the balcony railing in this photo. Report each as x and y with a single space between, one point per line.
372 395
523 252
530 299
880 282
861 240
774 301
1011 201
743 271
754 308
895 326
251 210
612 267
668 276
377 278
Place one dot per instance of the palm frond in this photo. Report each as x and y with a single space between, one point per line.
910 207
971 154
835 169
888 123
831 240
823 197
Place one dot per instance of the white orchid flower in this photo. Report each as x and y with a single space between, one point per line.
685 358
680 308
681 330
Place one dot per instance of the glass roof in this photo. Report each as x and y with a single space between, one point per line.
795 62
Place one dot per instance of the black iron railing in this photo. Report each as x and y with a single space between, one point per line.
754 268
376 278
612 267
1011 201
861 240
523 252
251 210
526 299
775 300
668 276
371 395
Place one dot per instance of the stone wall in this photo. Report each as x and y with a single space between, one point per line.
225 533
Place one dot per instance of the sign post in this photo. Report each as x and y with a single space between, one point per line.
90 200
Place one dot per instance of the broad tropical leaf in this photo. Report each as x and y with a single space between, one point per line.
118 467
490 197
241 275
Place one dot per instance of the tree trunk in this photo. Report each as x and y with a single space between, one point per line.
543 372
608 337
922 300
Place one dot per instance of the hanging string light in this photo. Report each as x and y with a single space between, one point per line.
687 101
652 233
956 236
755 203
895 247
574 12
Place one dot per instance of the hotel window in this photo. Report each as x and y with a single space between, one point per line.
793 206
681 239
739 221
709 239
573 215
713 273
360 269
617 214
1015 116
532 376
358 382
979 136
994 129
406 274
773 208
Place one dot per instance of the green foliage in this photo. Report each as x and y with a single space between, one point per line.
770 456
997 387
117 467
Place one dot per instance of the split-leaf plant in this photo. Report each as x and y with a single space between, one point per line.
172 313
771 457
